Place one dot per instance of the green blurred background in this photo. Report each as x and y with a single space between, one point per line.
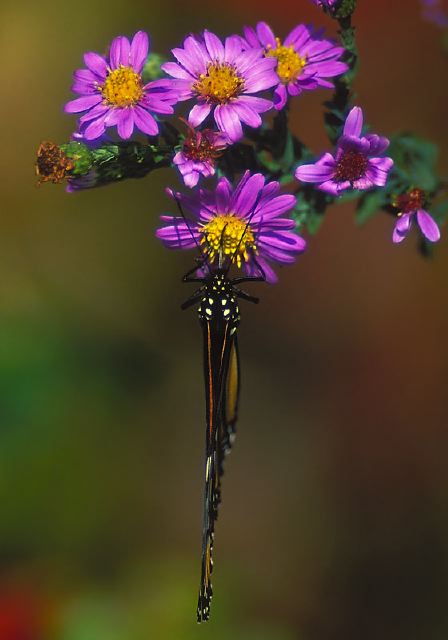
334 523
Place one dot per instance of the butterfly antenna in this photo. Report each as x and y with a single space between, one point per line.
201 257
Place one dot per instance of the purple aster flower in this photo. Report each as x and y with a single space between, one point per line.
244 225
305 61
355 165
411 205
113 94
222 78
198 154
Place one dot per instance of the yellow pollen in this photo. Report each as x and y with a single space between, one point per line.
220 84
123 87
227 235
290 64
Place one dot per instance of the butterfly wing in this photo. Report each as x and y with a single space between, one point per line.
218 350
230 402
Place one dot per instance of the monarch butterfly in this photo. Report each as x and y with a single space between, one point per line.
219 317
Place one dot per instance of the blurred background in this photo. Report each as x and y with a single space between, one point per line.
334 523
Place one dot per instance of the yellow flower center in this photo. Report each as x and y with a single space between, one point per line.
220 84
123 87
290 64
227 235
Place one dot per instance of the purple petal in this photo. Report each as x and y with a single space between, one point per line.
125 125
93 114
228 122
119 52
328 69
378 170
95 129
145 122
82 104
223 195
179 235
280 97
247 115
428 225
274 207
402 227
251 37
214 46
247 59
378 144
297 37
176 71
199 113
139 51
233 48
354 143
84 81
353 124
285 241
193 57
363 183
245 198
334 188
268 272
320 171
266 35
261 105
96 63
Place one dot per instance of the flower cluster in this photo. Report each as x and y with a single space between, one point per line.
229 86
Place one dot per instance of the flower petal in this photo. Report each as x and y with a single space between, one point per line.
125 125
214 46
199 113
280 96
233 48
247 115
353 124
244 198
228 122
402 227
145 122
139 50
96 63
320 171
266 35
119 52
428 225
83 104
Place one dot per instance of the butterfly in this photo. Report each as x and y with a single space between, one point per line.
219 316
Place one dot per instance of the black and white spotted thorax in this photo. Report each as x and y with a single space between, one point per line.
219 303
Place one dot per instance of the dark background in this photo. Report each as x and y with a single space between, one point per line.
334 521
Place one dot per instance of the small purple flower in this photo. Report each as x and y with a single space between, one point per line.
222 78
356 164
411 205
305 61
242 225
113 94
198 154
325 4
